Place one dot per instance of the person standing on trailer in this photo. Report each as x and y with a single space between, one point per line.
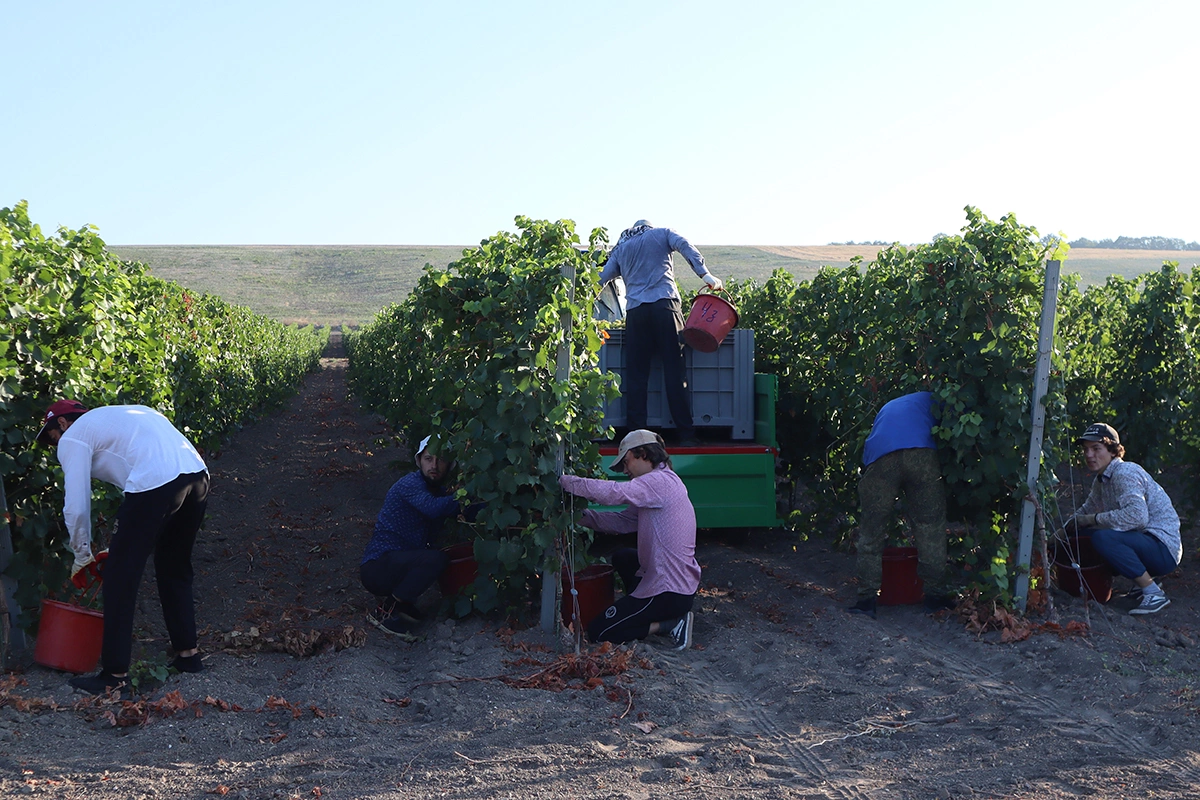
654 318
900 460
661 576
165 481
1135 526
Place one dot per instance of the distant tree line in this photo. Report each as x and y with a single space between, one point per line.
1138 243
879 243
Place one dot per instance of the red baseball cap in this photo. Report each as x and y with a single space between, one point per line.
57 410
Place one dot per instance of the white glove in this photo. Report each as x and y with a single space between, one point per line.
83 557
715 283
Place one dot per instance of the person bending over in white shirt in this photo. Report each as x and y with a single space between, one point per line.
165 482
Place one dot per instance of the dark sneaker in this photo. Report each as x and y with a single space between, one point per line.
385 607
395 625
100 683
681 632
1151 604
408 611
938 602
190 663
864 606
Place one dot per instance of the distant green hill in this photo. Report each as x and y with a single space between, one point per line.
348 284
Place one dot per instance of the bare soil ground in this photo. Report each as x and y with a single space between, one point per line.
785 695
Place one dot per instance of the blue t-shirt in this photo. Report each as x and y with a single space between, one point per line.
902 424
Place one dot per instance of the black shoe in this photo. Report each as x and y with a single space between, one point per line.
864 606
395 625
190 663
408 611
681 632
101 683
938 602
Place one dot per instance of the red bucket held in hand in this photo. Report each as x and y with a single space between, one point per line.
711 318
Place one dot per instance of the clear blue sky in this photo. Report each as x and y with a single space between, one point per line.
771 123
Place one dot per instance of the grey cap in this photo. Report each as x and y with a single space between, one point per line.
634 439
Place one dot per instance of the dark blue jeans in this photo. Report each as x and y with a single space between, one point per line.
403 574
1133 552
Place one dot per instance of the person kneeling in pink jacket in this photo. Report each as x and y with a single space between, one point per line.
661 576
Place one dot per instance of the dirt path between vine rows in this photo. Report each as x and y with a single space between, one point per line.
784 696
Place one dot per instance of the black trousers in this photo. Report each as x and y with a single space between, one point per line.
162 521
403 574
653 330
629 618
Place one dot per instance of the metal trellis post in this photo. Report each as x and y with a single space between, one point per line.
1041 380
562 373
12 637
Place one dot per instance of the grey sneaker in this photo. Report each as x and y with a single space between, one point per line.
1151 604
681 633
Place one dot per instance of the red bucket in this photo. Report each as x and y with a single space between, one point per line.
1092 580
594 589
710 319
900 586
462 570
69 637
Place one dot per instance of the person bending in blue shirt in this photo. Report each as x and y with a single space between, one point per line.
900 459
399 562
654 318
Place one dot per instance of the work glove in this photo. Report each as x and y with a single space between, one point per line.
1080 521
82 576
714 283
80 573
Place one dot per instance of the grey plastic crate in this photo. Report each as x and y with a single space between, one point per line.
720 385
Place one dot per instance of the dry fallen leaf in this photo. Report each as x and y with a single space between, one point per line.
646 726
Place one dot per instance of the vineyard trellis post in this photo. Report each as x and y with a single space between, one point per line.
562 374
1041 381
12 636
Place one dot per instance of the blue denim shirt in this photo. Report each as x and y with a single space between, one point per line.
645 263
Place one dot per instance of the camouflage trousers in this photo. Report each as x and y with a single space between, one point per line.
914 475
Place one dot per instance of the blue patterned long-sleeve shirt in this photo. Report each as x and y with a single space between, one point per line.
1125 498
411 515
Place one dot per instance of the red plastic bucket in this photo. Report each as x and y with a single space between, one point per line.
710 319
900 586
69 637
462 570
594 589
1094 571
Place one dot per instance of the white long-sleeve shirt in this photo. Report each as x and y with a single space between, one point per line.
134 448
